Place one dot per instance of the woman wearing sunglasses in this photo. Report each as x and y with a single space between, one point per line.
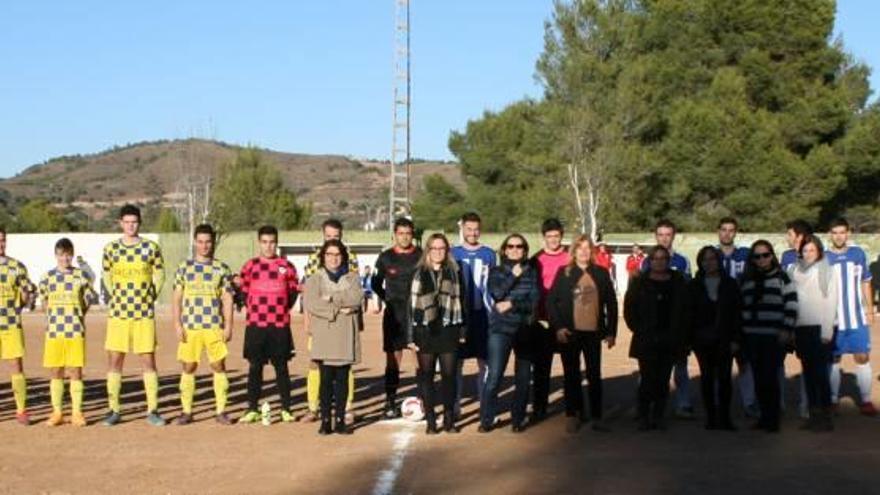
770 308
513 286
582 306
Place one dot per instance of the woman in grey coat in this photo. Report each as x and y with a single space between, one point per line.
333 300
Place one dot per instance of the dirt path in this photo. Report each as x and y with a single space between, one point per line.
396 456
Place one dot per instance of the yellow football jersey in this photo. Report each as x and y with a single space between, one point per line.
134 276
203 285
66 296
13 280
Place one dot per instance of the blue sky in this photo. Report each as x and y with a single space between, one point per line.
312 77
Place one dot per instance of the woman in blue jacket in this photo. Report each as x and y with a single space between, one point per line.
513 286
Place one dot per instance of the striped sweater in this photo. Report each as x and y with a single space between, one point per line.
770 303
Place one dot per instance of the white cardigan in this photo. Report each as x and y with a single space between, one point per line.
817 305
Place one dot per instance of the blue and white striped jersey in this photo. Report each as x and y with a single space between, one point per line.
475 265
851 269
735 264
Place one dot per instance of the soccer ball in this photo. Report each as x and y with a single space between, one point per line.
412 409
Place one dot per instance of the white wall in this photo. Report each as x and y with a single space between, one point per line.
37 251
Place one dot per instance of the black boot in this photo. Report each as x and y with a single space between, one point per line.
430 424
341 427
325 428
449 423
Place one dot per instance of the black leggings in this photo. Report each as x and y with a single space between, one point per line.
590 345
255 382
655 369
334 390
715 381
448 365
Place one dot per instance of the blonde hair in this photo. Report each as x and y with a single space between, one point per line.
575 244
425 261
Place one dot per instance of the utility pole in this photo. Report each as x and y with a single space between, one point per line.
399 201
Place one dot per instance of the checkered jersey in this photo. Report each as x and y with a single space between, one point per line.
13 280
134 276
203 285
270 286
314 263
66 296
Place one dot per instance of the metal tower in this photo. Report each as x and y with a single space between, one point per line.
400 139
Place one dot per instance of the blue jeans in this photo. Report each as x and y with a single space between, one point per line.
500 346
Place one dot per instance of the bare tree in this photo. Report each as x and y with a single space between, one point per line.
586 149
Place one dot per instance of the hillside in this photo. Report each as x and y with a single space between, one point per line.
150 171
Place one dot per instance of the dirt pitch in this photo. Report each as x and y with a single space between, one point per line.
395 456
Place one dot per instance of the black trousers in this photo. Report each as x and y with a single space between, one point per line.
655 369
255 382
715 363
816 358
766 354
334 390
588 344
545 346
448 365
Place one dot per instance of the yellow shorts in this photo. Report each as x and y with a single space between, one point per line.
138 336
64 352
11 343
196 340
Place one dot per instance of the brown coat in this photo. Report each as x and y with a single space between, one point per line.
335 335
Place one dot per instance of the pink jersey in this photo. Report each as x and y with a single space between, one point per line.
548 266
270 286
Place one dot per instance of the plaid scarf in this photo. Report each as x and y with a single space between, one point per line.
431 297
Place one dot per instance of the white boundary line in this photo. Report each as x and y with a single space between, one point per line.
401 438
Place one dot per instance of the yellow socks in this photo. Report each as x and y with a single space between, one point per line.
56 393
313 389
350 400
19 389
187 391
114 386
151 388
76 396
221 390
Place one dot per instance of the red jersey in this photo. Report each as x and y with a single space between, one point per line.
603 259
548 266
270 286
634 264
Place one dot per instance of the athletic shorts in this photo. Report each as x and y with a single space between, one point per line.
393 329
64 352
11 343
262 344
196 340
138 336
856 341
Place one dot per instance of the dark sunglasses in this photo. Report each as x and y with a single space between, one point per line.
761 256
515 246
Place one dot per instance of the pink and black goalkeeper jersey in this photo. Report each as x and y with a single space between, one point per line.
270 286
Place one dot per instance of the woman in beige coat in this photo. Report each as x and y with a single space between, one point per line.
333 298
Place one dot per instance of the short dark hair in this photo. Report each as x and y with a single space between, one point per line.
705 251
728 220
267 230
665 222
130 210
471 216
204 228
331 243
3 230
657 248
838 222
502 251
552 224
64 245
800 227
403 222
331 222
